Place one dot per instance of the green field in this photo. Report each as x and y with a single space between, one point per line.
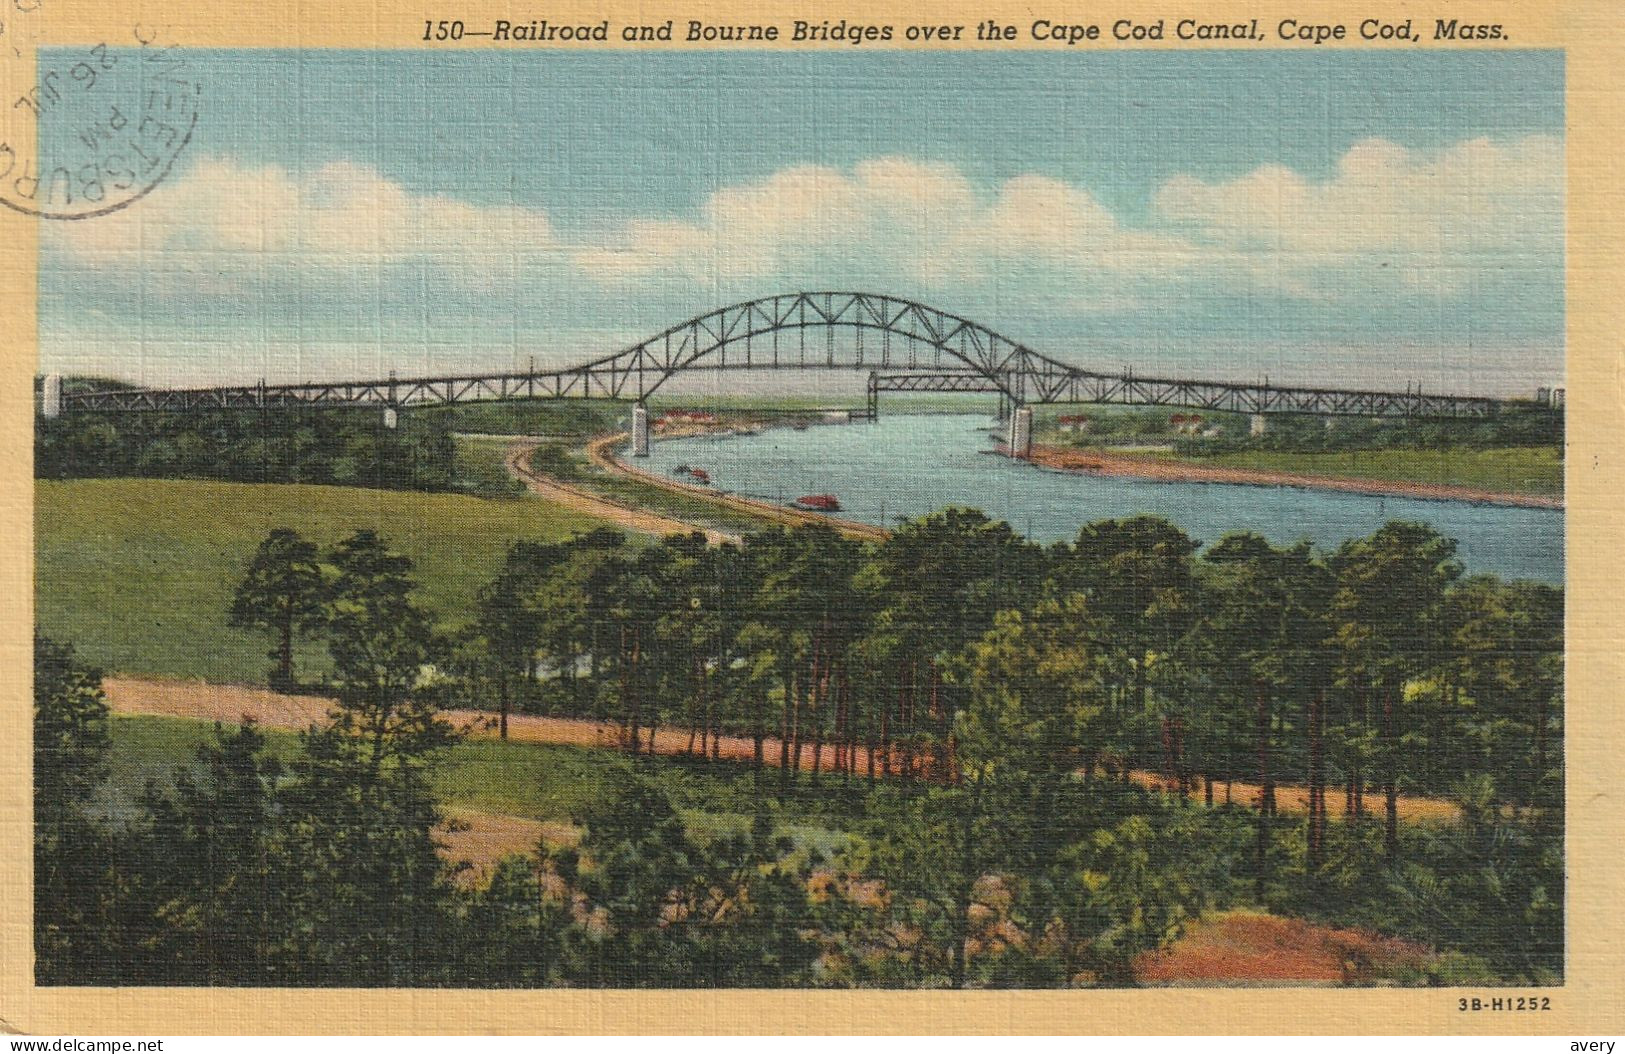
138 573
1511 470
531 780
483 462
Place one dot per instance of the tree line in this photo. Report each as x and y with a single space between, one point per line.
338 447
1374 668
969 706
1370 670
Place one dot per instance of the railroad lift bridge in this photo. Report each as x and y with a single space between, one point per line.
902 345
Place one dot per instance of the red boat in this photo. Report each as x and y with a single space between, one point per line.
818 503
699 475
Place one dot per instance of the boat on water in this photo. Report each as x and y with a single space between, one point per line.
817 503
695 475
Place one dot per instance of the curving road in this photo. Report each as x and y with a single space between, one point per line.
600 451
517 461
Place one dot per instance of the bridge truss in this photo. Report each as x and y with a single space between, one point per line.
903 344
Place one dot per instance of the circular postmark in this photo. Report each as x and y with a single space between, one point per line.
95 128
15 18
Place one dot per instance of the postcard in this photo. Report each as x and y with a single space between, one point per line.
735 518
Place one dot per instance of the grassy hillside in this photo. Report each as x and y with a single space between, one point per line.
138 574
483 464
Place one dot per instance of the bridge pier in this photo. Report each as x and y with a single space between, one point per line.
640 431
391 417
1258 424
1020 442
50 396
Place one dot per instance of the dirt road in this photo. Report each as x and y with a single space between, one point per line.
579 500
231 703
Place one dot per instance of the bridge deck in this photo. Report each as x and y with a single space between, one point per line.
910 347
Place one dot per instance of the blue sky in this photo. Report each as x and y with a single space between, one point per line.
1339 217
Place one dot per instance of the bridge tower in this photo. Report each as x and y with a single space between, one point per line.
391 415
50 396
640 430
1020 435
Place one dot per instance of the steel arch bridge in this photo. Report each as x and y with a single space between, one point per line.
903 344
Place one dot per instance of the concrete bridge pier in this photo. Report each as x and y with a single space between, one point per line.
1020 442
391 417
1258 424
50 396
640 431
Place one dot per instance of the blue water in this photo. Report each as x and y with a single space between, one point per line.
911 464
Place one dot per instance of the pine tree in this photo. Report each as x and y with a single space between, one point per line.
280 594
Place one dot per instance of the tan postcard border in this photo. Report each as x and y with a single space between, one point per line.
1591 34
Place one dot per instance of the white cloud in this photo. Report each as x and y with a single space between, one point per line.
922 222
793 217
1427 219
1432 217
1425 224
226 219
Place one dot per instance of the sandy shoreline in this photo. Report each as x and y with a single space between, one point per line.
1105 463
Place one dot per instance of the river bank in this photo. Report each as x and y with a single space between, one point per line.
1098 462
601 451
910 465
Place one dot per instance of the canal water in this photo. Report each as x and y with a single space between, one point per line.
910 464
